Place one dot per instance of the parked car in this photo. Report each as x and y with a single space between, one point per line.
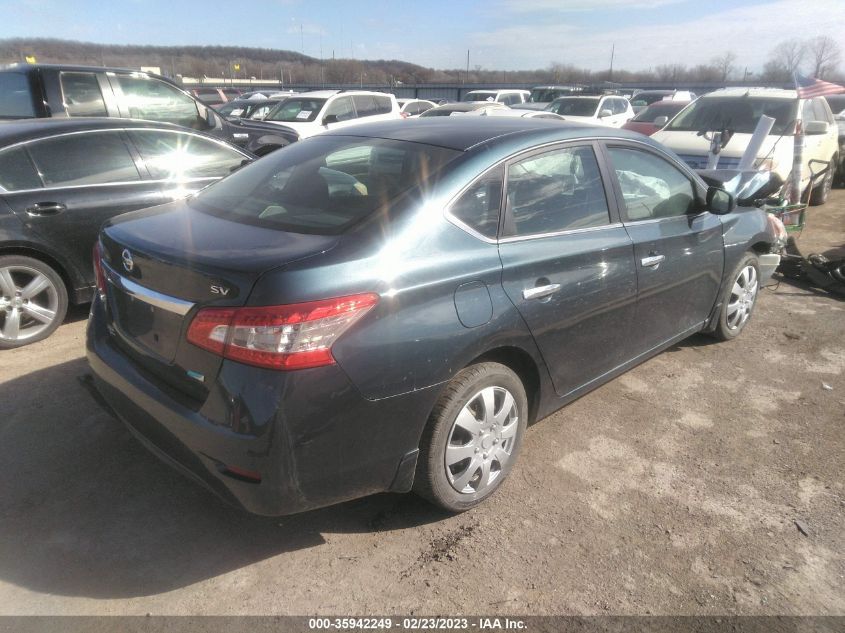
645 98
215 96
607 110
411 108
654 117
542 96
60 179
513 112
378 317
309 113
463 108
255 109
62 91
507 97
739 110
837 106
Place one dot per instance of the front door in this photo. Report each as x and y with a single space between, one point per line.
568 264
679 249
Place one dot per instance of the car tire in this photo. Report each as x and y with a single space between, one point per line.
739 299
821 192
466 451
33 301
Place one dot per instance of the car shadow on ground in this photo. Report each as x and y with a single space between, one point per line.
87 511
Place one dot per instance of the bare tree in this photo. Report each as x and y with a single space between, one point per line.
825 54
724 64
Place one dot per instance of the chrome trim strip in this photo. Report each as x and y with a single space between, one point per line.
589 229
139 292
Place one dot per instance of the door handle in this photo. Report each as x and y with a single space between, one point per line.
652 260
539 292
40 209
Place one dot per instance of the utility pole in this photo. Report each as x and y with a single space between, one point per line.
301 39
612 52
466 80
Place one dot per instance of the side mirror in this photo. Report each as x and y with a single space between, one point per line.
719 201
661 121
329 118
816 127
605 113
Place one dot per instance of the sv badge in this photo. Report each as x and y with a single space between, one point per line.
219 290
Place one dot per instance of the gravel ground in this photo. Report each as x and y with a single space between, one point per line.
708 480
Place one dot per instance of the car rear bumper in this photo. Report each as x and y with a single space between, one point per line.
309 435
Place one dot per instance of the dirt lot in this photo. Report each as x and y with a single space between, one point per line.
675 489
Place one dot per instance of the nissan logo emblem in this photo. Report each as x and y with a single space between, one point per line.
128 264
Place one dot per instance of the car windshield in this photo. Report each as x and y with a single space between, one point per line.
296 110
739 114
480 95
15 97
667 109
575 106
325 184
546 95
647 98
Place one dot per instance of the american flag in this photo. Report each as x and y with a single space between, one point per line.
810 87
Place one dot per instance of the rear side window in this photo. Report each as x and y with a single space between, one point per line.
651 187
175 156
325 185
15 97
365 105
154 100
479 206
17 171
383 105
341 108
556 191
82 95
84 159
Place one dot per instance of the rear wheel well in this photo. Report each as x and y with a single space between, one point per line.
521 363
41 256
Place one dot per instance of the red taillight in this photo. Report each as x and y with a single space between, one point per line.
404 115
99 273
295 336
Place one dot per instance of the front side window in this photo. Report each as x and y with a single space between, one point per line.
479 206
651 187
15 96
154 100
556 191
82 94
341 108
325 185
177 156
91 158
17 172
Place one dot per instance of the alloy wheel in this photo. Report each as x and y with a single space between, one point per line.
743 296
29 303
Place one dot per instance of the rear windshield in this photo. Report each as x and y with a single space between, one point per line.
479 96
574 106
296 110
739 114
667 109
545 95
647 98
325 184
15 97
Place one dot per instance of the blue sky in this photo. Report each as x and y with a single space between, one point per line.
501 34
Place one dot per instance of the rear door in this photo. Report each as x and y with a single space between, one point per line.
568 264
85 179
679 250
181 162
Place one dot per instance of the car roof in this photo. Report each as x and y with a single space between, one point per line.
325 94
18 66
19 130
775 93
465 133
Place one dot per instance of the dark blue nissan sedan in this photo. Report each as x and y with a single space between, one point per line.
387 307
